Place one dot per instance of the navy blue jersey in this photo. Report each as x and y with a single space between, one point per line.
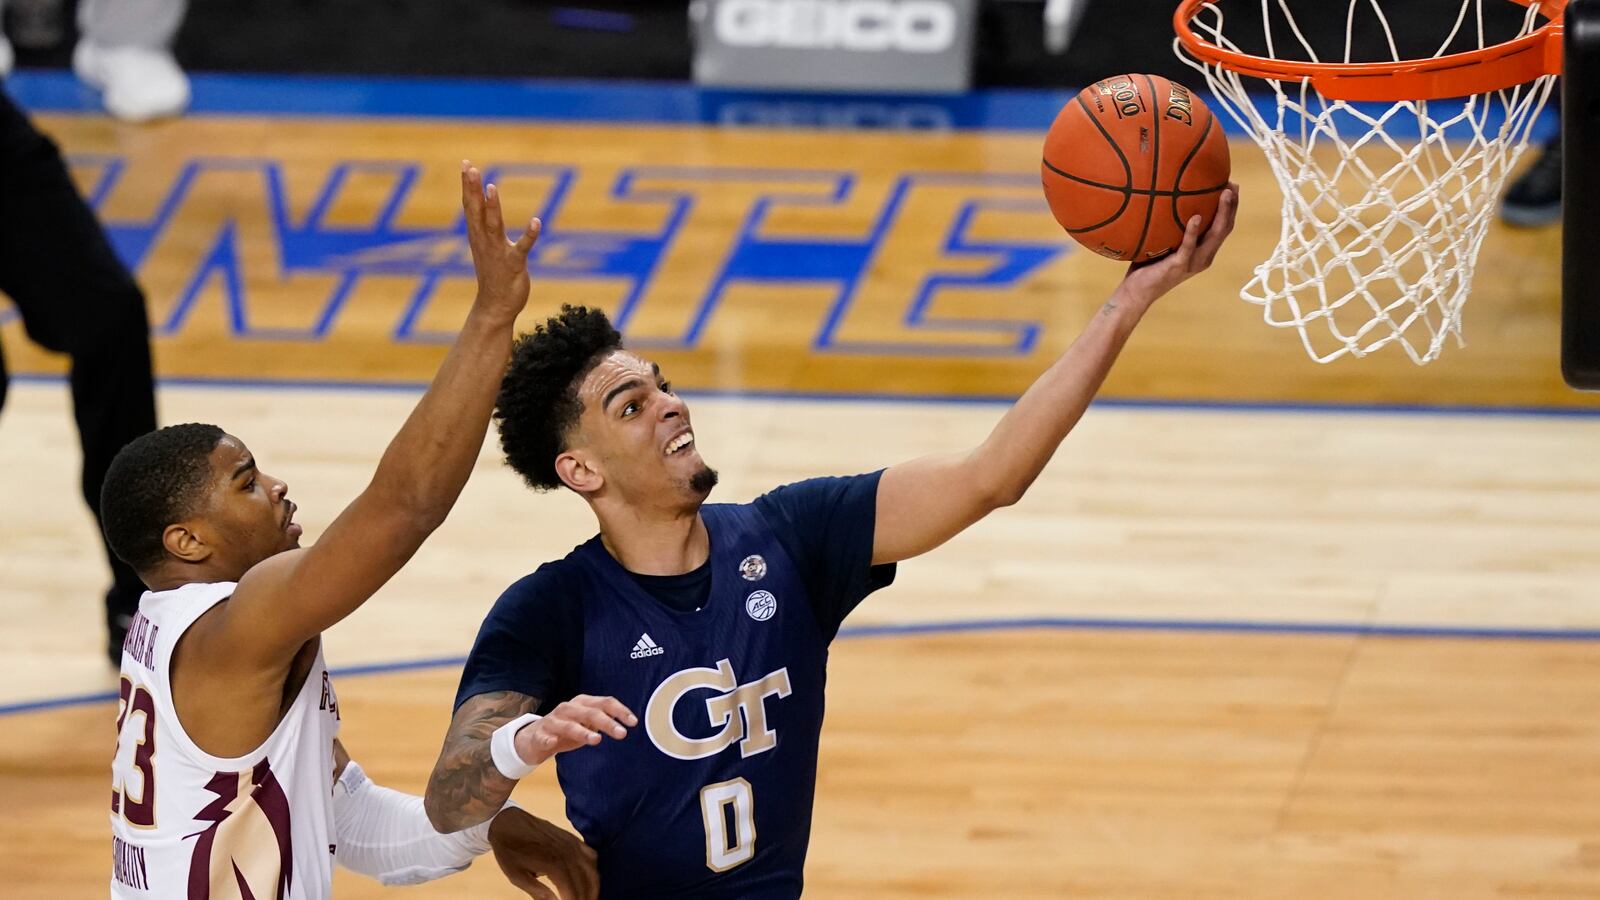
711 795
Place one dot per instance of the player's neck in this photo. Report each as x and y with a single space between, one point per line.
668 545
170 577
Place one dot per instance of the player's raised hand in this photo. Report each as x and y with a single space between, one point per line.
501 264
582 721
528 848
1147 281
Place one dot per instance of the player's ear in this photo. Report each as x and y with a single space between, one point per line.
182 542
578 472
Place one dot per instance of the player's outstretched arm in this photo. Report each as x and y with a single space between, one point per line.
292 597
467 787
927 501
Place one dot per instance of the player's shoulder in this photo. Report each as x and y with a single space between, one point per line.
554 584
549 580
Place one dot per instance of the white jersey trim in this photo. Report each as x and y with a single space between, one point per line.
223 591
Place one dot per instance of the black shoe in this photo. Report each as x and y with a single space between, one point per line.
1534 199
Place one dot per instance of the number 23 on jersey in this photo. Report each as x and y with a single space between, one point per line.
133 772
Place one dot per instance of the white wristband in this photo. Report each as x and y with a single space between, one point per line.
503 748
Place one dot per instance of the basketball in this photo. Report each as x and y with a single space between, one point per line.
1129 161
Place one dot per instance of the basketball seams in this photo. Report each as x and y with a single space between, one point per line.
1127 169
1126 198
1089 182
1155 169
1177 182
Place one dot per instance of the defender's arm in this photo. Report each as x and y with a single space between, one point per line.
384 834
290 598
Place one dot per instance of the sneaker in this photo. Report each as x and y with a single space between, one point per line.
1534 199
139 83
7 60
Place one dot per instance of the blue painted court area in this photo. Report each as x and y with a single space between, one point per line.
993 233
913 629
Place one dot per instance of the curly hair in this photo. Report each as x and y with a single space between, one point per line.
538 401
157 479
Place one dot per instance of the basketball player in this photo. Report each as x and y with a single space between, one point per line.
710 623
228 779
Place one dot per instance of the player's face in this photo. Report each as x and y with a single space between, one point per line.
248 516
640 434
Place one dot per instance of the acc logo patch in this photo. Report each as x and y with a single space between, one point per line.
761 606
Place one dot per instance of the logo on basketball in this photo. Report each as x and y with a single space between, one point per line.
1124 96
761 606
1180 108
753 568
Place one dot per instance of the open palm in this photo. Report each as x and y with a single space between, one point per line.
501 264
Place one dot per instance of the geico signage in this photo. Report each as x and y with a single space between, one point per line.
865 26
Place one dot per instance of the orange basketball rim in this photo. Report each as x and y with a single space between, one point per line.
1491 68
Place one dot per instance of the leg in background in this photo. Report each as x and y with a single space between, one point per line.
76 297
126 51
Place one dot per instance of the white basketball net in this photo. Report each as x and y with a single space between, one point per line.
1384 206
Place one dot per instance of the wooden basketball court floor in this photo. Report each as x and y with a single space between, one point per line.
1262 629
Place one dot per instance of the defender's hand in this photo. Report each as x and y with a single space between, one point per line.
528 848
1146 282
579 722
501 264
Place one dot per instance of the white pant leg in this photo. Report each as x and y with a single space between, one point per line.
131 23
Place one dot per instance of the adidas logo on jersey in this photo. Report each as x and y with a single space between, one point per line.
645 647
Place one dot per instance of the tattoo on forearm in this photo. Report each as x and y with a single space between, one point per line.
465 787
1110 306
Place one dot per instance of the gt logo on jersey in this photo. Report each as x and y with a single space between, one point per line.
738 711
